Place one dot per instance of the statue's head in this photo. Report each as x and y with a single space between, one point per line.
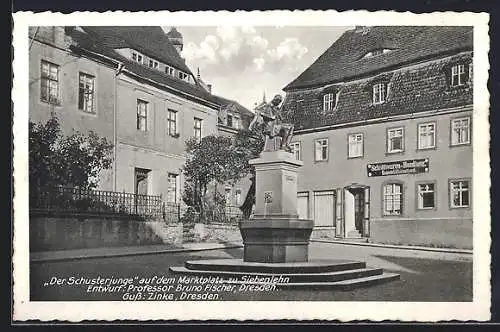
276 100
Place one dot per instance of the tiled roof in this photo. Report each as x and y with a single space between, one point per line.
150 40
345 61
105 44
245 114
412 89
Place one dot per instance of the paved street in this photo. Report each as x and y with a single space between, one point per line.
425 276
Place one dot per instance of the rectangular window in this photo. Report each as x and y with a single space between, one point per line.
172 188
328 102
426 196
460 131
458 75
459 194
153 64
355 145
395 140
236 122
172 122
229 120
49 83
237 197
137 57
321 149
426 135
86 93
379 93
296 150
142 115
197 128
169 70
393 199
227 196
182 75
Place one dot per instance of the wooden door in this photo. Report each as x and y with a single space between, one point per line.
324 208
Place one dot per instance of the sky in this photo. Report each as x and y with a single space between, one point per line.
244 62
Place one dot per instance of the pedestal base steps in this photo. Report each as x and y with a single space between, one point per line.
316 274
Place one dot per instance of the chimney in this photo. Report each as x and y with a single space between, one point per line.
209 86
175 38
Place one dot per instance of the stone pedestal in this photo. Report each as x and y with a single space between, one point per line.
275 234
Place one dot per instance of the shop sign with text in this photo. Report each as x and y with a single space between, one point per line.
399 167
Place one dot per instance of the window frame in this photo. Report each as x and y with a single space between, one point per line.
48 79
142 116
228 193
169 70
401 194
229 122
196 129
460 81
388 151
137 56
450 196
155 63
175 178
329 102
327 149
294 150
417 195
185 76
238 195
384 95
174 121
93 107
349 145
419 141
469 122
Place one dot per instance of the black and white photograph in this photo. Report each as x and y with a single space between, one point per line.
264 165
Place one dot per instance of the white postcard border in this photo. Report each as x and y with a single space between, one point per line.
478 309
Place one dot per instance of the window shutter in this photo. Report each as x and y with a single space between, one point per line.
466 70
447 73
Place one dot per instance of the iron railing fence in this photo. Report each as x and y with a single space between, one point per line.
66 199
77 200
174 212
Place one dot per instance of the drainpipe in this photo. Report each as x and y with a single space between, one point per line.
115 118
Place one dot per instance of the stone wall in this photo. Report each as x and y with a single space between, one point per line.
65 232
77 232
217 233
447 233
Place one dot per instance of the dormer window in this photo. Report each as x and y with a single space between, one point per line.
169 70
153 64
458 75
379 93
376 52
229 120
136 56
183 76
328 102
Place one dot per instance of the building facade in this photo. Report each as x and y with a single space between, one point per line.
384 128
131 86
77 90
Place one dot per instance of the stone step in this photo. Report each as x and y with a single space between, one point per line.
293 277
238 265
344 285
